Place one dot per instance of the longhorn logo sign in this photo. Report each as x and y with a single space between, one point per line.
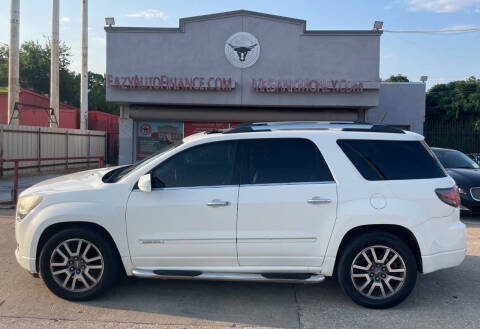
242 50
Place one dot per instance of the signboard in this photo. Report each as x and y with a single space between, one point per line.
242 50
263 85
164 82
306 86
153 136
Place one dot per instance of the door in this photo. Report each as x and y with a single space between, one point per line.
287 204
189 218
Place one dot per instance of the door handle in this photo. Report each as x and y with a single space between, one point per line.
316 200
218 203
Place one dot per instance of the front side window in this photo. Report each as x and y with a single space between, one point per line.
391 160
117 174
284 160
209 164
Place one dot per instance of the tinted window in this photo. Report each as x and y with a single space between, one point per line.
455 159
209 164
117 174
391 160
284 161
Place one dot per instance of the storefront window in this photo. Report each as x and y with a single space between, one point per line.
154 136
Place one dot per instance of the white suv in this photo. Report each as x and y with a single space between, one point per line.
280 202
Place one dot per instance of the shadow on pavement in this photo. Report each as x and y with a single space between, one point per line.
442 299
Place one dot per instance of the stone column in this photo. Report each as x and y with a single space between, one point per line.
125 136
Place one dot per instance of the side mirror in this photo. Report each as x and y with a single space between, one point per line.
144 183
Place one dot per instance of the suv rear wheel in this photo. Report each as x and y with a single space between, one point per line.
77 264
377 270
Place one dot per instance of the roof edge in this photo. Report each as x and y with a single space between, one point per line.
241 12
182 21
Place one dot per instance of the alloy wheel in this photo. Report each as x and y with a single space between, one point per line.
378 272
76 265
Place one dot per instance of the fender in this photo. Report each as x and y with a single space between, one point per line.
355 214
89 212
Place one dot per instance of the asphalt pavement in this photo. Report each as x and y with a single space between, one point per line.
445 299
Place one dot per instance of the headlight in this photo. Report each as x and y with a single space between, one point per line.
26 204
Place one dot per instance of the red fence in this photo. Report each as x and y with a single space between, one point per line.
16 162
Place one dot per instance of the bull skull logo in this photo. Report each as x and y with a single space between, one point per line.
242 51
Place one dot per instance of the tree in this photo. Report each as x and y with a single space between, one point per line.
397 78
456 100
35 75
3 65
35 70
97 94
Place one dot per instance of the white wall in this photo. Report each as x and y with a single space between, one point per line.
400 103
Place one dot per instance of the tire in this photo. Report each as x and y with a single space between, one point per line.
397 277
93 270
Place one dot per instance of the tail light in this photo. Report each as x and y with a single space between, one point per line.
449 195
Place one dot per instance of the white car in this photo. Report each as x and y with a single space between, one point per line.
280 202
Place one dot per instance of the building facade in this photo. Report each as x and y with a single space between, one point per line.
215 71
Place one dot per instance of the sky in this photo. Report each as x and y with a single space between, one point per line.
442 57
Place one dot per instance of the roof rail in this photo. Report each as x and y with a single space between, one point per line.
312 125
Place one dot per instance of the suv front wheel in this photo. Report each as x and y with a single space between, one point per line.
377 270
77 264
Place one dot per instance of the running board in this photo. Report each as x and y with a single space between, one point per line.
252 277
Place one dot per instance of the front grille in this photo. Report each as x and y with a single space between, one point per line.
475 192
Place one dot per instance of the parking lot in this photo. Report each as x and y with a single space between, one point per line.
446 299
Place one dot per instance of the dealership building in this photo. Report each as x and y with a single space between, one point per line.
218 70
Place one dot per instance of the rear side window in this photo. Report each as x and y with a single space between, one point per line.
391 160
283 160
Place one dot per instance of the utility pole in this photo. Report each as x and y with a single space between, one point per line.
84 78
54 64
14 59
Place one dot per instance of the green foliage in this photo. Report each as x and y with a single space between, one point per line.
35 75
3 65
397 78
96 95
456 100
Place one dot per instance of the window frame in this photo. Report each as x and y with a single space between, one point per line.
244 156
235 179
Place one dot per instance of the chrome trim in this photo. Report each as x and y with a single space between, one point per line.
317 200
185 241
277 240
218 203
223 186
471 193
296 125
252 277
288 123
294 183
192 187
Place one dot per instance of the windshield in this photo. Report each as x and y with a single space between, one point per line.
455 159
117 174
